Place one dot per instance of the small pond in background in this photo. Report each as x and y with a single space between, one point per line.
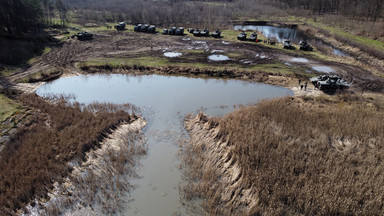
294 35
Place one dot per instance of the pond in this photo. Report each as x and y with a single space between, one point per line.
164 101
292 34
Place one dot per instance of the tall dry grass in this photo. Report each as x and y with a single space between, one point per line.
300 156
38 153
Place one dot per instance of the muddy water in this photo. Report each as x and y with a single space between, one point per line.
164 102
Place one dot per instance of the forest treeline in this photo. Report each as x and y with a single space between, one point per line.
25 16
19 17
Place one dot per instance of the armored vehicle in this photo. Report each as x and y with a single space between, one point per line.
204 33
151 29
179 31
305 46
137 27
329 83
165 31
196 32
144 28
216 34
172 31
120 26
84 36
242 36
253 37
287 44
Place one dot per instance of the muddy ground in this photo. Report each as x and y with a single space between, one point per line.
66 57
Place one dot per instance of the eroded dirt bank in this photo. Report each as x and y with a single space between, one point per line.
214 170
261 160
95 186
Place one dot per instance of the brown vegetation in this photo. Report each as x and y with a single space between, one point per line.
299 156
38 153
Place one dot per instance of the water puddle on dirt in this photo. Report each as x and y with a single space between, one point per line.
301 60
262 56
172 54
218 58
323 69
164 101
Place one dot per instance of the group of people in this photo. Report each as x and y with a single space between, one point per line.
303 85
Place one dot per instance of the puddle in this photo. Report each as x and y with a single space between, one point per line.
172 54
262 56
287 63
301 60
199 42
164 101
323 69
217 51
224 42
218 58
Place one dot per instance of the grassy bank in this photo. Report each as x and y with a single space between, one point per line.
295 156
194 60
7 107
38 153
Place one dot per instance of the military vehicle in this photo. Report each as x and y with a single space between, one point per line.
242 36
204 33
84 36
165 31
172 31
287 44
305 46
137 27
329 83
120 26
253 37
144 28
196 32
191 30
179 31
151 29
216 34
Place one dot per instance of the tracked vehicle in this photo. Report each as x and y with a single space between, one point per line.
179 31
329 83
287 44
120 26
253 37
196 32
204 33
84 36
242 36
216 34
305 46
137 27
